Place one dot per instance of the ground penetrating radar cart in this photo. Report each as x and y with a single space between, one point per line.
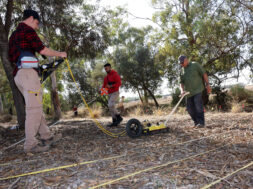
135 128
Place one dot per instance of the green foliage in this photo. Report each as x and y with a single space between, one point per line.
81 74
4 84
227 99
75 26
217 34
46 102
176 97
5 90
239 93
221 100
158 96
136 63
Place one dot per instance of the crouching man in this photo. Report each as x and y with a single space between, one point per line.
112 82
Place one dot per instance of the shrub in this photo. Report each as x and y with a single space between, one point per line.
239 93
159 111
236 108
96 111
220 99
176 96
138 111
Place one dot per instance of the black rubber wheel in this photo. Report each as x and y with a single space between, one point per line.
134 128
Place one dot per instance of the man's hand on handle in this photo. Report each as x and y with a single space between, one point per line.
184 93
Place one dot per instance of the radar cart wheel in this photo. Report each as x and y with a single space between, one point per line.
134 128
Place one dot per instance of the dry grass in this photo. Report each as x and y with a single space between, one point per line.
182 110
96 112
159 111
236 107
83 141
84 112
138 111
5 118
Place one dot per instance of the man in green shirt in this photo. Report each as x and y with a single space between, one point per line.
193 80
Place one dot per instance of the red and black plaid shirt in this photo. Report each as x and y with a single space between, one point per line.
26 39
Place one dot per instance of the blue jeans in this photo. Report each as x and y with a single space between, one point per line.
196 109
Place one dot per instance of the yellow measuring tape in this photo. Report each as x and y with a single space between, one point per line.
94 161
62 167
155 167
219 180
90 111
173 144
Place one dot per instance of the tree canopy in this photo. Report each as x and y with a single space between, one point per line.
217 34
136 63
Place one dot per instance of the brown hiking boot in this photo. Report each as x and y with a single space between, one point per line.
51 141
37 148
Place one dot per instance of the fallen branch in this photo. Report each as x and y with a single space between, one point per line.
14 183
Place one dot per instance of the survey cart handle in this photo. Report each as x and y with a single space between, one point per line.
174 109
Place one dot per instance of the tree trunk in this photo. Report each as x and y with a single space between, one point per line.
153 96
189 32
140 96
1 105
55 98
145 97
17 96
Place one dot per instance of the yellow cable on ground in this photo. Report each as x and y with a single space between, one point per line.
61 167
90 111
88 162
193 140
173 144
155 167
219 180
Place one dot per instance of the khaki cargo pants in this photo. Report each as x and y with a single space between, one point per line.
113 99
28 82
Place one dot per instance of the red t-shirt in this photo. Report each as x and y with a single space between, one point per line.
26 39
112 78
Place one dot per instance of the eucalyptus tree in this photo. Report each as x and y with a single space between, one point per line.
217 34
69 25
136 63
5 99
89 73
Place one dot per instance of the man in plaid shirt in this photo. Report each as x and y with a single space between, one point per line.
24 38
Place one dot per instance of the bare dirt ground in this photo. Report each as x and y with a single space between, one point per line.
183 158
